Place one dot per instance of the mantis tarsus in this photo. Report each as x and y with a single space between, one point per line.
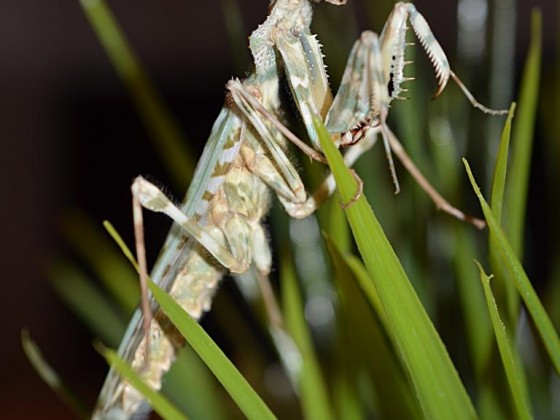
218 227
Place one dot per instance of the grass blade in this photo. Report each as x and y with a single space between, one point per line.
523 129
509 359
159 403
436 382
314 396
51 378
168 138
106 262
505 291
235 384
522 283
87 302
365 341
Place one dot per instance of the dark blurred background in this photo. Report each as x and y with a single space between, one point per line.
71 139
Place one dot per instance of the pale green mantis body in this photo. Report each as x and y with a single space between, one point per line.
218 227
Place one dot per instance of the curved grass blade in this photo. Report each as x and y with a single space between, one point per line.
235 384
314 396
522 283
51 378
158 402
168 138
509 360
435 380
523 129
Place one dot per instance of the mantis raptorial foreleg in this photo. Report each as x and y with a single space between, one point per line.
362 102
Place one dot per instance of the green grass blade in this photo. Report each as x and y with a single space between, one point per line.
478 329
236 35
121 243
50 377
159 403
365 340
505 291
509 359
235 384
523 129
522 283
168 138
436 382
500 169
88 240
87 302
314 396
188 372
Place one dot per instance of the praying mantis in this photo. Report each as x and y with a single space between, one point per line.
246 160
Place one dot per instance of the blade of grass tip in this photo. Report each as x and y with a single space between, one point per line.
522 283
168 138
523 129
51 378
121 243
500 169
86 301
89 241
158 402
510 360
236 35
505 290
314 396
436 382
235 384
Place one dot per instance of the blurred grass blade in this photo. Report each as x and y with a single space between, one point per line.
86 238
87 302
522 283
509 360
523 129
159 403
365 340
478 327
47 374
164 130
236 35
314 396
235 384
192 388
436 382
